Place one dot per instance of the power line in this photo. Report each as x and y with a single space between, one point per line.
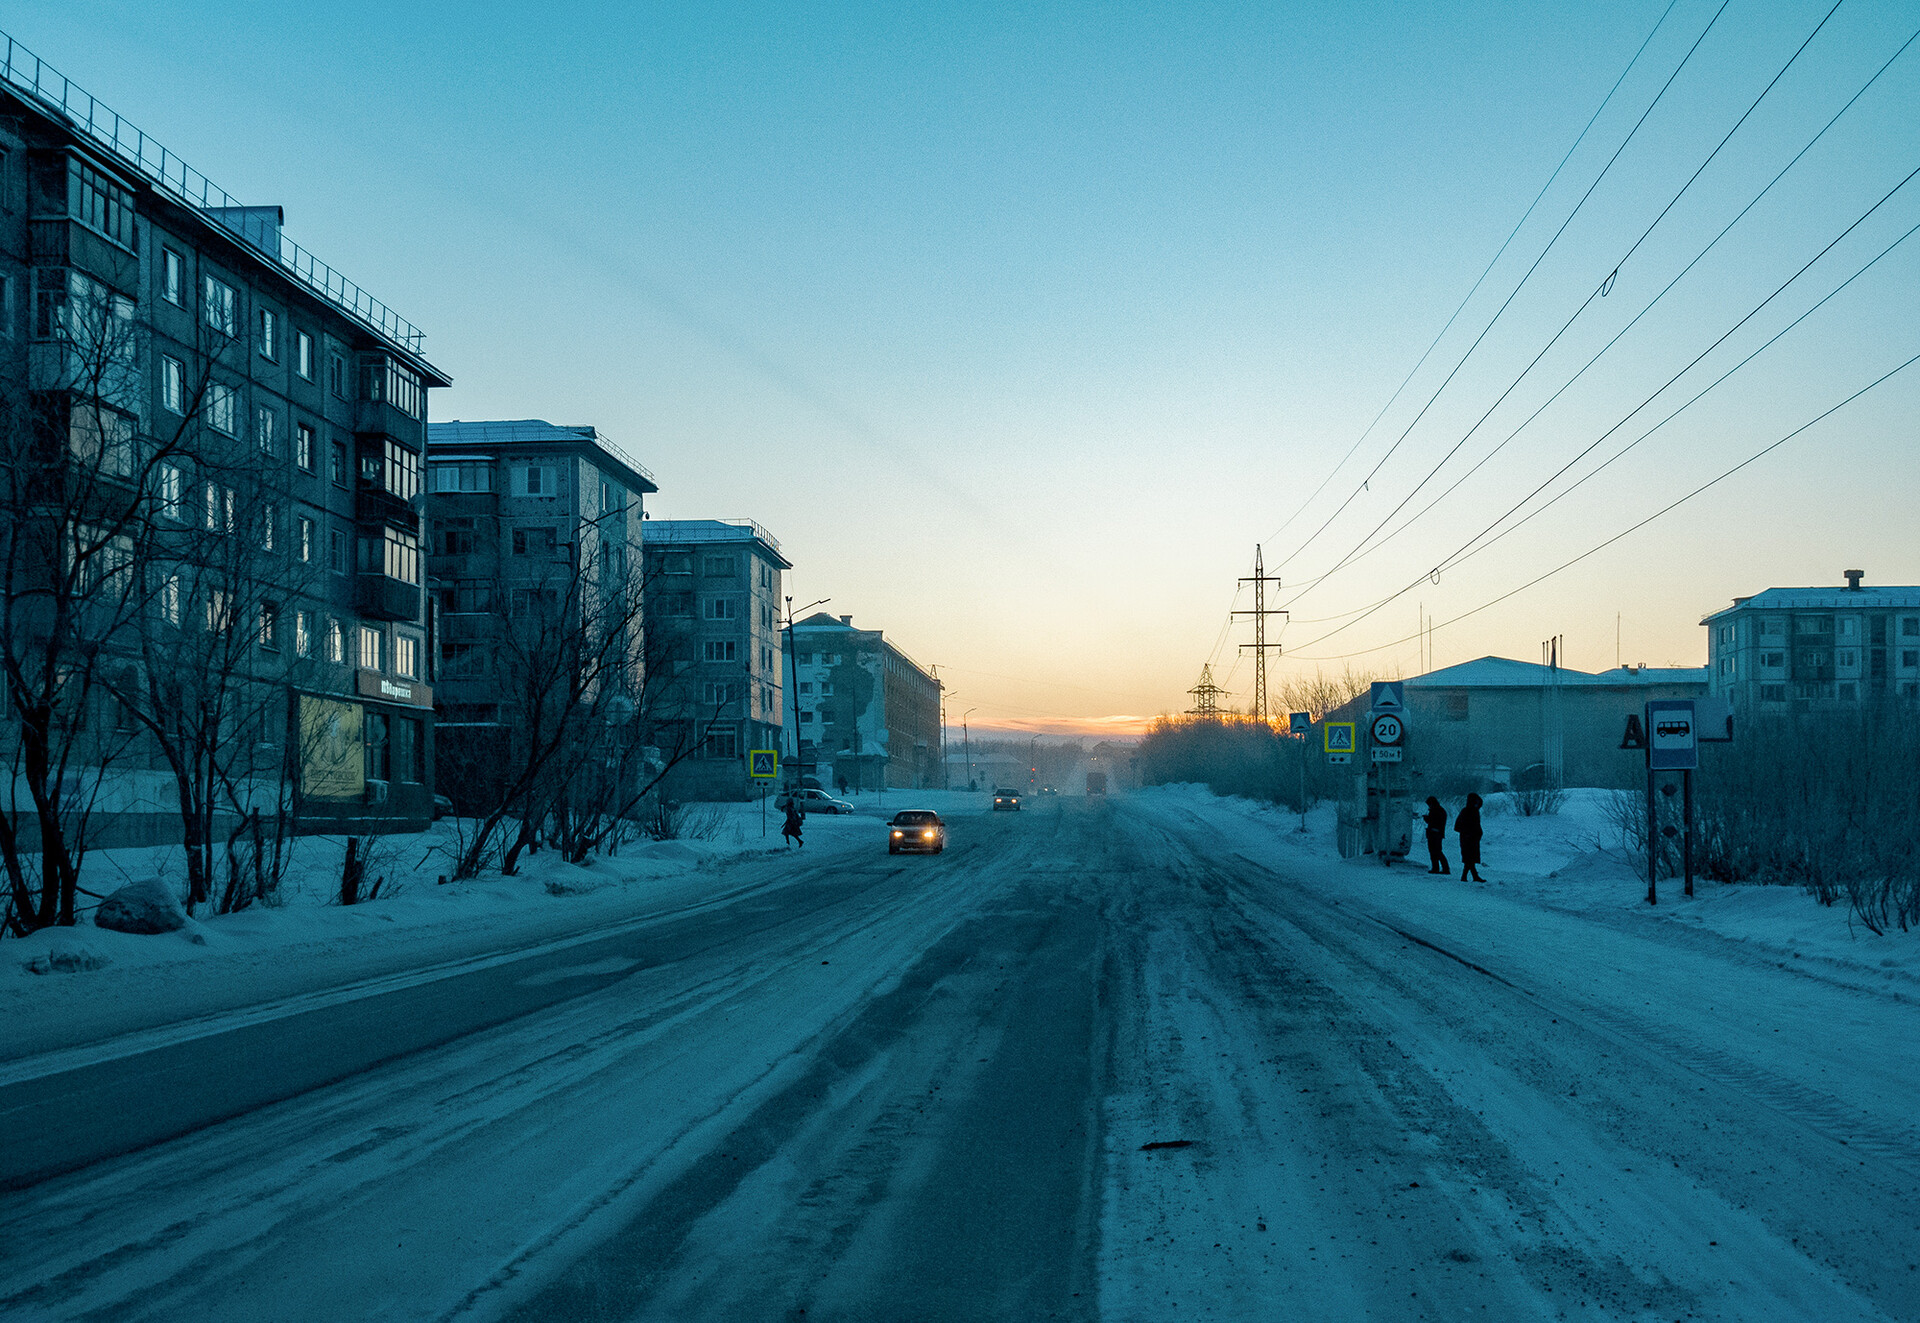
1599 291
1485 331
1485 272
1663 510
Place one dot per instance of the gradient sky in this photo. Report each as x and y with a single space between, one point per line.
1021 325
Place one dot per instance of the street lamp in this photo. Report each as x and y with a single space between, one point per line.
1033 765
793 665
967 739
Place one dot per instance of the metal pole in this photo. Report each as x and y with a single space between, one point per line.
1653 837
1686 838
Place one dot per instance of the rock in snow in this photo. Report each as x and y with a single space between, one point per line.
147 906
66 956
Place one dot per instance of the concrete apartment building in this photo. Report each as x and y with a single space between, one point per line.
526 516
291 408
713 607
869 714
1511 724
1793 649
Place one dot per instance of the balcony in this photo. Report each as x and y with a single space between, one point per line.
381 598
377 420
374 505
60 241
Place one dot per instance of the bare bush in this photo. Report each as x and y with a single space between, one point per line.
1539 801
666 821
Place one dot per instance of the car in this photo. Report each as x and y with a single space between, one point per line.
1005 799
916 829
813 801
441 807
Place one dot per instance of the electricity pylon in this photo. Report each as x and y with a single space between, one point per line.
1260 647
1206 695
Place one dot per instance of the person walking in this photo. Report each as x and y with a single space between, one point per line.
1468 825
795 818
1437 836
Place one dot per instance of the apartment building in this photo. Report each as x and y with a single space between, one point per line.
146 313
713 605
869 714
529 519
1788 649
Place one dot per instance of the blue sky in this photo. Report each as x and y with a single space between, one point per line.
1020 325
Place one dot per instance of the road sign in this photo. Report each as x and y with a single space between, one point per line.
1672 735
763 764
1339 759
1299 723
1713 720
1387 729
1634 737
1387 753
1389 696
1337 737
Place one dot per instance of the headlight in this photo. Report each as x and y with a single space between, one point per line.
899 833
928 833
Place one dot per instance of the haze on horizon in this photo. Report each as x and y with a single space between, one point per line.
1021 327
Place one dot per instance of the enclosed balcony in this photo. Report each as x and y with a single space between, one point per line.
379 597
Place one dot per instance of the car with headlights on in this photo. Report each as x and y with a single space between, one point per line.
916 830
1006 800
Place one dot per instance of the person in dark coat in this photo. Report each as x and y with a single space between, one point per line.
1437 836
1468 825
794 820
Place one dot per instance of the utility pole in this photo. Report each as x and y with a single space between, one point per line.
966 739
793 665
1206 696
1259 646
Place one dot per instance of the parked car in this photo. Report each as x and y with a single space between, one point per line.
917 829
1005 799
441 807
813 801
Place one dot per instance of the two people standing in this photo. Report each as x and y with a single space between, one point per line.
1467 825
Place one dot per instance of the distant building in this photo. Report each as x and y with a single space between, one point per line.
869 714
517 509
985 771
1511 723
1788 649
713 606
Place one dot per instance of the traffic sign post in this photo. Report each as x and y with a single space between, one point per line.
1301 724
1336 740
763 765
1671 737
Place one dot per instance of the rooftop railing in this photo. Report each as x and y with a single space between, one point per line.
34 78
659 534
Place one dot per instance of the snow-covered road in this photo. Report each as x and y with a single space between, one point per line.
1139 1060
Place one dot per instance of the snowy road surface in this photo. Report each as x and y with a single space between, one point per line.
1139 1060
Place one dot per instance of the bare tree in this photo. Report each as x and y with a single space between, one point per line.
1320 693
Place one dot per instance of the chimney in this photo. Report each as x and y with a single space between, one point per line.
1853 579
847 621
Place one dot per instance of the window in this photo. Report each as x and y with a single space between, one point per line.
6 305
337 375
303 546
400 471
720 608
303 354
1773 627
1909 627
723 743
1773 693
96 200
269 625
303 446
826 689
533 542
219 612
805 716
453 537
720 566
173 384
101 439
406 657
532 601
372 643
400 556
766 616
716 693
806 686
170 599
379 748
384 379
265 425
613 499
1459 706
1726 636
269 516
678 606
219 508
721 650
1726 666
1773 659
337 550
1910 658
766 659
172 286
303 633
464 476
535 480
217 306
171 488
464 596
1814 625
676 564
336 643
1849 628
337 463
766 576
459 659
1848 657
409 750
223 409
269 336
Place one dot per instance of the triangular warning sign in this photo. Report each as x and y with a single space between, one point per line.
1635 737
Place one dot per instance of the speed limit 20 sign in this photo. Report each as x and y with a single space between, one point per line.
1388 728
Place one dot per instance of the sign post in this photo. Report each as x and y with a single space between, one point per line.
1301 724
1672 734
763 765
1336 740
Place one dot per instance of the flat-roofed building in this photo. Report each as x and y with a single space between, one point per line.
1789 649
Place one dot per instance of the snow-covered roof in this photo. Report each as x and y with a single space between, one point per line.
1823 599
1506 673
456 434
713 531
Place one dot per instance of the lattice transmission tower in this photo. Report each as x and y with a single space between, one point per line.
1260 647
1206 695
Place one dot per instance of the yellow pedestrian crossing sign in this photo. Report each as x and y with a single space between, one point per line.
763 763
1337 736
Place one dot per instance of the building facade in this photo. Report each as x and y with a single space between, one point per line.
535 531
272 415
713 601
869 714
1795 649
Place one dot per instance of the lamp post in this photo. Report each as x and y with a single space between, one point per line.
966 739
1033 766
793 664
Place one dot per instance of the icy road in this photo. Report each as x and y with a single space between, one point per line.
1139 1060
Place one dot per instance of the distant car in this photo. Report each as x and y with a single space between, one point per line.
1048 790
1004 798
813 801
441 807
917 829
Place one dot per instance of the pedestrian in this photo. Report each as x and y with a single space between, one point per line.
1468 825
1437 836
794 820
